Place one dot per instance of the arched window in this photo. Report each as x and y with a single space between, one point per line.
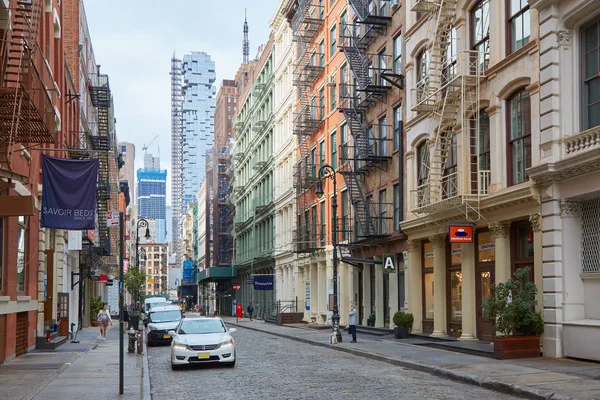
519 137
422 65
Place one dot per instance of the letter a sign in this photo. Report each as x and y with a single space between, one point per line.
389 263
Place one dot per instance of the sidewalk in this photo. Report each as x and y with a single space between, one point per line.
89 369
536 378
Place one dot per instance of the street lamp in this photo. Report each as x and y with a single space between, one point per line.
327 171
144 224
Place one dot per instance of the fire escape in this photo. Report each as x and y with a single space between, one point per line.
450 89
306 22
101 143
225 211
372 77
27 90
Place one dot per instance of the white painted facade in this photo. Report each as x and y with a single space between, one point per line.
286 268
567 176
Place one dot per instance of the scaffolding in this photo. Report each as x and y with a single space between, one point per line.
372 77
449 95
28 94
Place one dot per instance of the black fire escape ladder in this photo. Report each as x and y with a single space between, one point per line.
363 213
101 99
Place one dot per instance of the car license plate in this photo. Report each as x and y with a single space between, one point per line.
203 356
166 337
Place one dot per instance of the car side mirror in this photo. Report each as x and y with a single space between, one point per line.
232 330
171 333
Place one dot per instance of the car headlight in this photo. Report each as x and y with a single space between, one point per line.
152 328
226 343
180 346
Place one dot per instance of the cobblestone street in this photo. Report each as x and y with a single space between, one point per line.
269 367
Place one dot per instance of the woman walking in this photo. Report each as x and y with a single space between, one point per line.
103 319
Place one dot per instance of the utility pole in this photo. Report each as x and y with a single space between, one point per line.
121 311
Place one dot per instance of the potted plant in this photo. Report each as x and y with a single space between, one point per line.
403 322
95 307
511 309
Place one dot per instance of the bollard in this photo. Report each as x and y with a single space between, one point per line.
131 343
140 339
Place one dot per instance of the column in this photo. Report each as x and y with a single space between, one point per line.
344 295
322 289
538 268
439 279
469 312
41 268
366 293
573 306
502 269
393 291
379 312
314 290
351 285
278 283
414 284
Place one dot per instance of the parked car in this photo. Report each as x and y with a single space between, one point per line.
202 340
161 320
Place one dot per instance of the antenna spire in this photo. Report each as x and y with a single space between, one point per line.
246 42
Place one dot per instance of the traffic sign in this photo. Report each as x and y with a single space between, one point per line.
236 286
112 218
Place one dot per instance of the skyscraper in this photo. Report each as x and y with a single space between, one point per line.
152 195
199 103
192 127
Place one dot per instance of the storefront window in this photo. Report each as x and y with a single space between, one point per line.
522 247
455 279
428 255
428 279
486 242
456 295
21 264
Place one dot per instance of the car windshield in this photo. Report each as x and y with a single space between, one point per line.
190 327
165 316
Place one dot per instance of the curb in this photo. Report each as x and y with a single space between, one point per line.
486 383
146 393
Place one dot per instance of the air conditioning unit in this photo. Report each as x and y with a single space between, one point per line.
331 80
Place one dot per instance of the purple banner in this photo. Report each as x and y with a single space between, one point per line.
69 193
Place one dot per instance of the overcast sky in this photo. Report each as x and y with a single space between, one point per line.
134 40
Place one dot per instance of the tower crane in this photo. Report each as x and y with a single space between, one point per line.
145 148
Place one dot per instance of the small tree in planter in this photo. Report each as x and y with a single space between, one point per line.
404 322
95 307
511 309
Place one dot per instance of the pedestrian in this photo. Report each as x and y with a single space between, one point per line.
352 318
250 310
103 319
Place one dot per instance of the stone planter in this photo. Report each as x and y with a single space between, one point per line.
510 347
400 333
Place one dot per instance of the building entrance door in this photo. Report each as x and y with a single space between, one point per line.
63 313
484 277
21 337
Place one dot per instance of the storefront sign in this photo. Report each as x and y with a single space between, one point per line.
460 233
307 296
263 282
389 263
69 195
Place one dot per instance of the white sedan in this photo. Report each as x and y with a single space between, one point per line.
201 341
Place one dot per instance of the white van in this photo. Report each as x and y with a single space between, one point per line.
161 320
154 301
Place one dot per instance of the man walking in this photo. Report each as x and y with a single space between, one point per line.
352 319
250 310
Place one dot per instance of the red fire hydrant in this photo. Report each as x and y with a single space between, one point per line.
238 310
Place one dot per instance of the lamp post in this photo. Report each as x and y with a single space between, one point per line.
327 171
144 224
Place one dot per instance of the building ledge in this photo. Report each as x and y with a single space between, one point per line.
589 275
571 167
595 323
23 298
4 299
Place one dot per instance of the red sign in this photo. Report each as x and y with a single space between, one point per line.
236 286
461 233
102 279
